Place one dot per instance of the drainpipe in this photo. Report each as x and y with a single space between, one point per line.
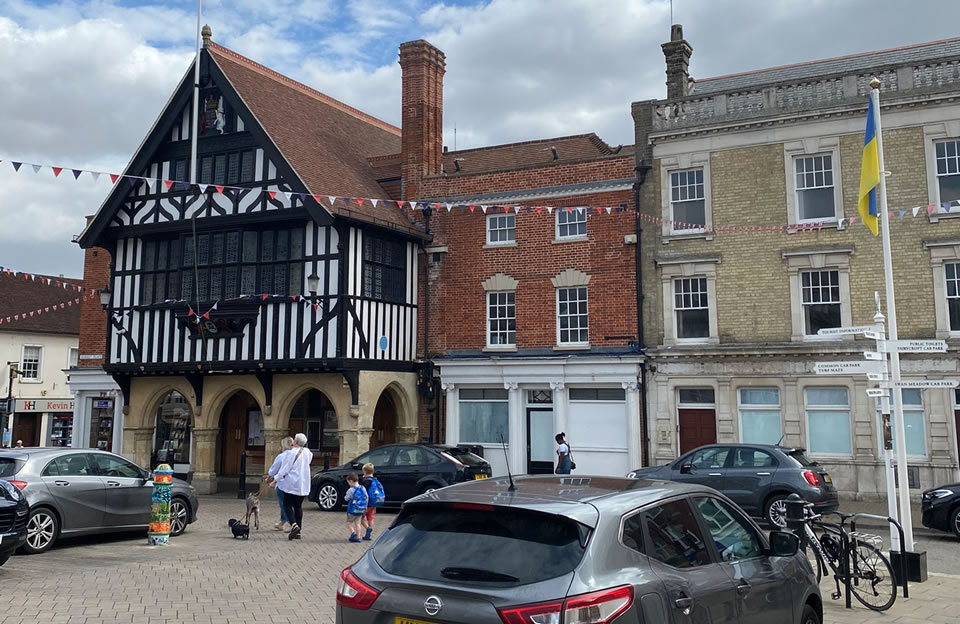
641 172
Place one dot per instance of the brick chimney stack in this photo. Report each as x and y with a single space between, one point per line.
423 66
93 319
677 53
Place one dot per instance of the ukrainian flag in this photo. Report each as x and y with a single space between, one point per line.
869 174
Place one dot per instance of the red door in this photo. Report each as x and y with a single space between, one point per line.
697 427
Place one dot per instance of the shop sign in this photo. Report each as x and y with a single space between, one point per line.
102 403
44 405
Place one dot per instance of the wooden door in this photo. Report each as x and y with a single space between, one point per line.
26 427
233 435
384 423
697 427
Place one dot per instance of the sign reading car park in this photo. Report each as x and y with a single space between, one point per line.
846 331
846 368
919 346
928 383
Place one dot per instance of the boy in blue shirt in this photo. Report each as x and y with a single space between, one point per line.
356 498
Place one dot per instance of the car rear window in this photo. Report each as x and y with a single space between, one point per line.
465 457
802 458
481 545
10 466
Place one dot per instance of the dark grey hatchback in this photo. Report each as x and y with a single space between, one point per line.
758 477
578 550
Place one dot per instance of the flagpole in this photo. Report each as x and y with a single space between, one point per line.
900 442
195 128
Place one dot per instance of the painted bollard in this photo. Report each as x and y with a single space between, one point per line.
159 534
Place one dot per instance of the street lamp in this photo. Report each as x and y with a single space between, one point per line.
313 284
105 296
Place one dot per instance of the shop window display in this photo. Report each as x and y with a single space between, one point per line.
101 424
172 443
62 433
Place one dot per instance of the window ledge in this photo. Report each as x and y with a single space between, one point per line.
29 381
500 349
826 224
683 342
500 245
666 238
574 347
570 239
936 216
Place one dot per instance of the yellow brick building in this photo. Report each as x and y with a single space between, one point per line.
731 317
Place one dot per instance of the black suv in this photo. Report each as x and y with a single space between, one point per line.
758 477
941 508
14 512
405 470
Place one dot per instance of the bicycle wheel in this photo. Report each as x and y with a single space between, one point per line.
871 578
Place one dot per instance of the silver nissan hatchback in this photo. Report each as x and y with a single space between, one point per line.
578 550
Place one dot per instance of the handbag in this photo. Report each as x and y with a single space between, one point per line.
573 464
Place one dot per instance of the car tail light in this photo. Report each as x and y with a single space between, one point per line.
354 593
594 608
19 484
811 477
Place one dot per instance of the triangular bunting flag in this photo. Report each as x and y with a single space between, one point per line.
930 209
76 173
916 209
272 194
16 165
264 297
132 181
549 209
166 183
359 201
946 206
316 198
902 212
302 196
472 208
332 198
56 171
483 208
37 168
219 188
608 209
190 311
203 188
449 207
46 309
853 220
113 178
206 315
374 202
315 306
539 209
96 175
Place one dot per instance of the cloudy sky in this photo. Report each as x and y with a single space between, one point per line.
84 80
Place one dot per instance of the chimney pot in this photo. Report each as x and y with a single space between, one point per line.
445 149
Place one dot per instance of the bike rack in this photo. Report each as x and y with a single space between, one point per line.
893 521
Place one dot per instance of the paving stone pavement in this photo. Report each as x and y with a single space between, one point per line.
205 576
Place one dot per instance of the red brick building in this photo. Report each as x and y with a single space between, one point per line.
530 315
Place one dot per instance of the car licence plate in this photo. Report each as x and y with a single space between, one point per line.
827 479
476 477
403 620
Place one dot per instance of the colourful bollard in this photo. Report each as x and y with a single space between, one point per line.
159 534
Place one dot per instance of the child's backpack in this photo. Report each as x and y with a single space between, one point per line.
358 504
377 497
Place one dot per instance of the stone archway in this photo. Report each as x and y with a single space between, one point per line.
384 421
314 415
172 441
240 431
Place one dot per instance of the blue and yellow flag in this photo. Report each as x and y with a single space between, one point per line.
869 174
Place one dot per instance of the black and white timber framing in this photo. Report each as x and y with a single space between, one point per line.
163 239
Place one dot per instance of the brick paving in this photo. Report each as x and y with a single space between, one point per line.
205 576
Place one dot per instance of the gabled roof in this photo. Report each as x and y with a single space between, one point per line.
853 63
19 295
325 143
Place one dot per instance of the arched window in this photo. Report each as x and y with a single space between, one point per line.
171 442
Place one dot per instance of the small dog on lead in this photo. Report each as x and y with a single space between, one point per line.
253 506
239 529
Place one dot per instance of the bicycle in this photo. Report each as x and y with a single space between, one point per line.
854 558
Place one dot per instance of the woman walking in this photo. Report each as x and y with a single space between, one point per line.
285 445
564 463
294 482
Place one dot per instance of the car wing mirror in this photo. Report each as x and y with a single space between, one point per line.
686 468
784 544
356 466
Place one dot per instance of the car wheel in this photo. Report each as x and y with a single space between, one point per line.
42 531
776 511
430 487
179 516
328 498
809 615
955 521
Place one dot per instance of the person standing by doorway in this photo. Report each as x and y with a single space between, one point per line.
294 482
285 445
564 463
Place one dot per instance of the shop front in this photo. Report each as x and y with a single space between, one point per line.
97 410
43 422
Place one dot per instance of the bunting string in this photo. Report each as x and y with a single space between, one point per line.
48 281
448 207
48 309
